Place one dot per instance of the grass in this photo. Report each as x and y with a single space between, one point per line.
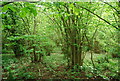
55 60
95 56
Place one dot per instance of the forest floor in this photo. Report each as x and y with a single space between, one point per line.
53 67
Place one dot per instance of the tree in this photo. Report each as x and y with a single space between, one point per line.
13 14
72 23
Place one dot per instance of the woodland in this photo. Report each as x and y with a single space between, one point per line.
60 40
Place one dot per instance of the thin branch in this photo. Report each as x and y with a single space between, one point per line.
111 6
6 3
99 17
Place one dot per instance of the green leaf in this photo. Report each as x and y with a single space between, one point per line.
9 27
5 8
32 10
24 11
12 8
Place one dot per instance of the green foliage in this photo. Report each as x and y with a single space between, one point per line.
42 31
105 67
55 60
12 68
